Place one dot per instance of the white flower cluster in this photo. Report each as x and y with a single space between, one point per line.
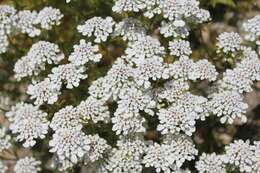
130 29
27 165
69 142
126 158
229 42
229 106
5 140
171 154
252 27
143 83
211 163
40 54
97 27
28 122
241 78
25 21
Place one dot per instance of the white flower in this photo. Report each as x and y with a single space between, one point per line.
4 43
93 109
181 69
237 80
135 100
114 83
229 106
5 140
130 29
256 149
44 92
70 74
70 145
25 21
67 117
203 70
252 27
48 17
210 163
170 29
84 52
98 27
128 5
128 123
186 9
179 48
3 167
39 55
173 90
240 154
27 165
175 119
98 147
229 42
148 69
171 154
144 47
6 18
28 122
127 158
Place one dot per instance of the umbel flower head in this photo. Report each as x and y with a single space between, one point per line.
27 165
28 122
97 27
211 163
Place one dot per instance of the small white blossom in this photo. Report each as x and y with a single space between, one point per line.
135 100
182 69
40 54
229 106
4 43
127 158
93 109
70 145
130 29
70 74
25 21
48 17
128 5
98 27
170 29
44 92
210 163
5 140
28 122
114 83
7 14
98 147
67 117
144 47
148 69
256 149
173 90
128 123
237 80
175 119
179 48
203 70
240 154
171 154
252 27
229 42
27 165
84 52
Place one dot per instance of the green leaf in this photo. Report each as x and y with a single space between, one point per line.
229 3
